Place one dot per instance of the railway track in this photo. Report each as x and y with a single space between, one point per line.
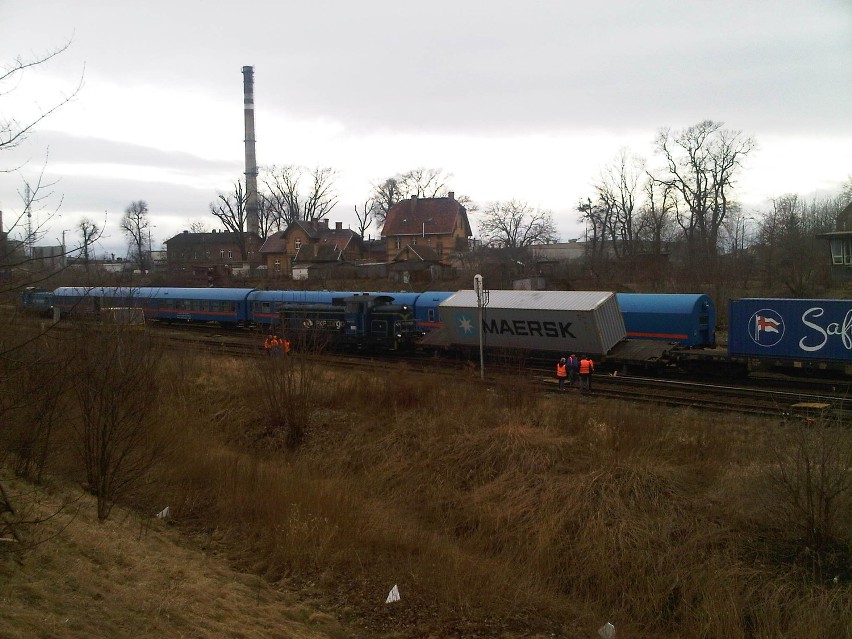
700 395
721 398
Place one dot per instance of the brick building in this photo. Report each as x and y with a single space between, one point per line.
439 223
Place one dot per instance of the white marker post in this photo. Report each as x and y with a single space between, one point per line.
481 302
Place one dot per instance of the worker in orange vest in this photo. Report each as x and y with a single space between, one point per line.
285 344
587 367
562 373
267 344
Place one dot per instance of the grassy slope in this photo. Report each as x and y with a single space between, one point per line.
127 577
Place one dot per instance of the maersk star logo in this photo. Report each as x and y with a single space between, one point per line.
465 324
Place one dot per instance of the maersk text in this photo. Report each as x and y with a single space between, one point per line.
528 328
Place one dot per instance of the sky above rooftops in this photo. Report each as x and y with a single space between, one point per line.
527 101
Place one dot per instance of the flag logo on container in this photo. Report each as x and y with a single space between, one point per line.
766 327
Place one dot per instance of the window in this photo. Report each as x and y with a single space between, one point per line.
398 243
841 252
230 255
222 254
277 265
414 241
298 243
439 249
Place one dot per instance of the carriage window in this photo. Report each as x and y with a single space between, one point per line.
431 314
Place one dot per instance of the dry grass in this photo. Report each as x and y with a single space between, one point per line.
129 577
496 511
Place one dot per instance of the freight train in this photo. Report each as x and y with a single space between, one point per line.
647 330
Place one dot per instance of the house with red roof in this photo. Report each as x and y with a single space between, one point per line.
439 224
305 242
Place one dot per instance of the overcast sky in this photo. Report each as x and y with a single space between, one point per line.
516 100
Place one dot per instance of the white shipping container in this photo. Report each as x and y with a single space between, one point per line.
583 322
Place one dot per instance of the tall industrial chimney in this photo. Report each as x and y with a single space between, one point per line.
251 158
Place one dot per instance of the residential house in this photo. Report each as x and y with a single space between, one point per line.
310 242
840 246
189 251
417 263
439 223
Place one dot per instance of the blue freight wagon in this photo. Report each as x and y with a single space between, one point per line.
688 319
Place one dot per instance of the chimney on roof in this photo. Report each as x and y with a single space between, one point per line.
324 223
338 226
451 195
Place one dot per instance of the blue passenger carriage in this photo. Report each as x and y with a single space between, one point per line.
88 301
228 306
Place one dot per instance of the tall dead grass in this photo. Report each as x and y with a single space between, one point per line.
493 509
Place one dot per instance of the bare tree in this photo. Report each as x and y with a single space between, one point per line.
20 376
515 224
846 191
116 389
617 190
421 182
363 217
790 255
812 488
89 234
135 225
13 131
701 166
288 200
199 226
656 216
230 209
597 218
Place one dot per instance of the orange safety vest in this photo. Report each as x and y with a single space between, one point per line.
286 345
586 366
561 370
267 344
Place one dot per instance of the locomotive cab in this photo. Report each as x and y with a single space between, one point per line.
374 320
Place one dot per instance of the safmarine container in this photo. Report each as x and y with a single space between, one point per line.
819 330
583 322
